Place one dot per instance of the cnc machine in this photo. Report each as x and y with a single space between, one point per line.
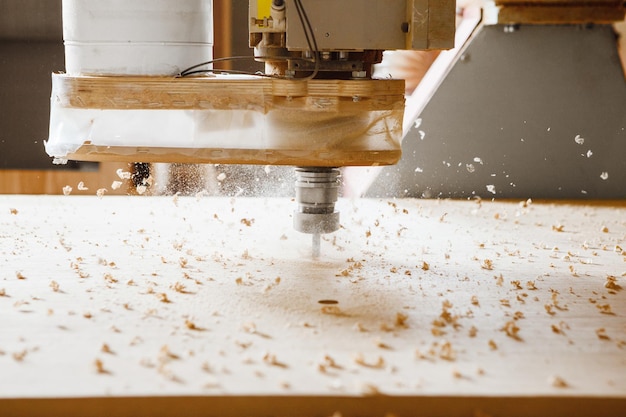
315 107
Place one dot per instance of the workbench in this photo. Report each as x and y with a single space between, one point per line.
213 306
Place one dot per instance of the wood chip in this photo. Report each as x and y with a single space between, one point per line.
99 365
511 330
601 333
378 363
611 283
106 349
557 382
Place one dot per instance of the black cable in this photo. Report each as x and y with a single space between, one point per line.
225 71
188 71
312 42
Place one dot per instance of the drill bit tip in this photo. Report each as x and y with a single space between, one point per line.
316 239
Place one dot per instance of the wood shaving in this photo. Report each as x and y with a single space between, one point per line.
446 351
192 326
166 355
611 283
473 331
499 280
555 301
401 320
492 344
81 186
19 356
474 300
329 362
511 330
106 349
425 266
109 278
601 333
605 309
178 287
370 390
379 363
54 285
531 285
487 264
13 211
67 190
270 359
19 275
435 331
333 311
557 382
379 343
556 329
247 222
163 297
100 192
123 175
99 365
516 285
558 228
3 292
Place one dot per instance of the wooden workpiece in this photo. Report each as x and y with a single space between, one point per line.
225 93
229 120
213 306
560 11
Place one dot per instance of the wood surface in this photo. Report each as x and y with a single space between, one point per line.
213 306
339 156
559 11
225 93
433 24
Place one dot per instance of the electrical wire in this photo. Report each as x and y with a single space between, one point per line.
310 40
190 70
225 71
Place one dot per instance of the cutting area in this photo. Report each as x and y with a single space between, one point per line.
216 298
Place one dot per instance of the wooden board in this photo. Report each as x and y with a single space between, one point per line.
285 122
226 93
213 306
558 11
